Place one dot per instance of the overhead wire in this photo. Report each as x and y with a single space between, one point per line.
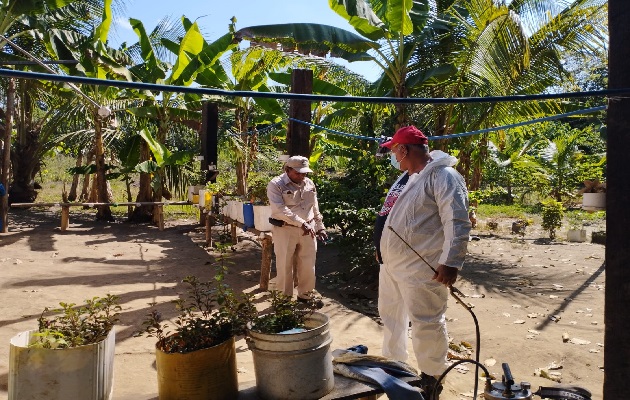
306 97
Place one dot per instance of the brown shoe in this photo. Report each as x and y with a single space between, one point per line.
428 386
311 302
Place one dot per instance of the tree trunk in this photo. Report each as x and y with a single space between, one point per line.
86 178
477 174
241 178
72 196
145 193
24 170
104 212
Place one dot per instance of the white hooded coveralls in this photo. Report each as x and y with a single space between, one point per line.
431 215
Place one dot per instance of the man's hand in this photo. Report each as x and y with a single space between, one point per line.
446 275
321 235
307 229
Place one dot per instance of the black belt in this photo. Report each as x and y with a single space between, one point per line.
279 222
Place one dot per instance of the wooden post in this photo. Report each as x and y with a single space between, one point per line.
202 216
65 218
209 139
6 156
233 232
160 213
299 134
210 220
617 297
265 265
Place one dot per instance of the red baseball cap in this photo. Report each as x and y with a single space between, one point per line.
407 135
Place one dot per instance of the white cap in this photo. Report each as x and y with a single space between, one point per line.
299 163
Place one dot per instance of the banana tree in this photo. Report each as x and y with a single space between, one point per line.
192 54
249 71
389 32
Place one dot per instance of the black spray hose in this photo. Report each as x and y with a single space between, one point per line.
477 345
434 394
456 293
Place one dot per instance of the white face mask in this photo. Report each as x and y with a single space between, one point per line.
395 163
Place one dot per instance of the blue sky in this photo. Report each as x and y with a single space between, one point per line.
213 18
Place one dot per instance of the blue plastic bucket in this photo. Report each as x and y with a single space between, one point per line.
248 215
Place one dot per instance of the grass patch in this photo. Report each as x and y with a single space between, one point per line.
516 211
54 177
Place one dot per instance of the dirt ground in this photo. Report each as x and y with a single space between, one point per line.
527 294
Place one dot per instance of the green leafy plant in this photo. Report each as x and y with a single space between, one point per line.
210 314
552 215
576 220
285 314
77 326
257 188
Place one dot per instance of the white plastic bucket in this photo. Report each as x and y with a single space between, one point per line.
576 235
294 366
233 206
261 218
192 191
240 215
84 372
594 201
202 198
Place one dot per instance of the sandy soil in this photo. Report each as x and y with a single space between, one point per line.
527 293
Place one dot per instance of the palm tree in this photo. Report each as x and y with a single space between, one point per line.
170 54
38 27
501 49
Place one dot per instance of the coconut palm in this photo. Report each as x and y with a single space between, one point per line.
502 48
44 29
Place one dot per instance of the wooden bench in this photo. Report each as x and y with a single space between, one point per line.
345 389
65 208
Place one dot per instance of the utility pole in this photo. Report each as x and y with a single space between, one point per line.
299 134
617 323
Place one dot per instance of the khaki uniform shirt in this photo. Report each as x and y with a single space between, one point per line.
294 204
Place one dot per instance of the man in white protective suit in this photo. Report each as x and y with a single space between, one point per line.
426 209
297 226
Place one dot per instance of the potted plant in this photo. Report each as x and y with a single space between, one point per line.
576 232
197 360
291 350
196 183
260 202
593 195
69 356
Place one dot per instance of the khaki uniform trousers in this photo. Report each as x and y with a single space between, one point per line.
288 241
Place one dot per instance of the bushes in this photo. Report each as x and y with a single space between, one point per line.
552 214
349 203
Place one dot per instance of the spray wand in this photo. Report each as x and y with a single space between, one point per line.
456 293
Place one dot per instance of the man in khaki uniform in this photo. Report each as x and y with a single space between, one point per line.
297 226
